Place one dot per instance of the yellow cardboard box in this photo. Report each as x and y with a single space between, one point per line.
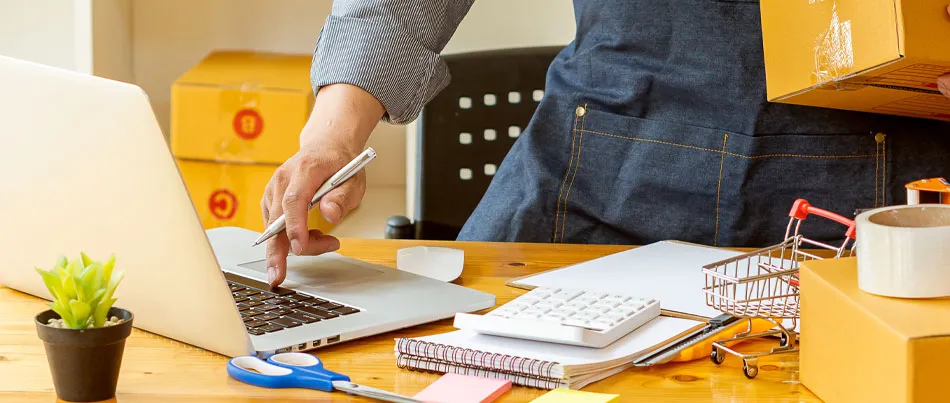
241 107
878 56
230 194
859 347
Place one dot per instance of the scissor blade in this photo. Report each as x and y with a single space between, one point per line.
374 393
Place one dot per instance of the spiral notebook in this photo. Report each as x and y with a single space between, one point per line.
536 364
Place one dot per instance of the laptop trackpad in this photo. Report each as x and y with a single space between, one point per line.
315 271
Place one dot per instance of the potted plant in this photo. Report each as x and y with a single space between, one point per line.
83 333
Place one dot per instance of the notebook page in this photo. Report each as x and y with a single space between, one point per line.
655 332
668 271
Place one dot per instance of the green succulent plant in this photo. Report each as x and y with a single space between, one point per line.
82 290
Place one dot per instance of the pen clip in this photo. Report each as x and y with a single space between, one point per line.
361 162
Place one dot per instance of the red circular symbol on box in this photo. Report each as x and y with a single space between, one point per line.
223 204
248 124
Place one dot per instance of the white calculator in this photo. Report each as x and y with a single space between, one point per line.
566 316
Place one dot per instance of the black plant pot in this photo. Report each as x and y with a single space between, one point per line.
84 362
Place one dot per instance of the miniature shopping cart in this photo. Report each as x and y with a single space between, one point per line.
763 285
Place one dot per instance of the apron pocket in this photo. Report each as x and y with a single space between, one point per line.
763 175
635 180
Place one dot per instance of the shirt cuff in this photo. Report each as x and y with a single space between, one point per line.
381 59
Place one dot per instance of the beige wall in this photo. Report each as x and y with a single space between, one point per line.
151 42
53 32
161 53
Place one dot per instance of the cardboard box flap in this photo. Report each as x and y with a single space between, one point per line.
912 318
252 70
810 43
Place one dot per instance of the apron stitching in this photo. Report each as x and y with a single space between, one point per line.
726 152
577 167
722 161
557 213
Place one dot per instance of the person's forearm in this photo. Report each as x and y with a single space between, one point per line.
345 112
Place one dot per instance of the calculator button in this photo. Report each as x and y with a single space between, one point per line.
599 308
566 295
577 306
618 298
549 303
535 311
607 302
586 300
585 315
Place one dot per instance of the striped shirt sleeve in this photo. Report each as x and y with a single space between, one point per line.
390 48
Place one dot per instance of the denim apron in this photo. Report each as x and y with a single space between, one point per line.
655 126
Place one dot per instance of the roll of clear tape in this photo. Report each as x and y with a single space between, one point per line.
904 251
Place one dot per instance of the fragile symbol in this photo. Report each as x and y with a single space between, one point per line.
248 124
223 204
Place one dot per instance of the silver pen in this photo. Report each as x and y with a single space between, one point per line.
337 179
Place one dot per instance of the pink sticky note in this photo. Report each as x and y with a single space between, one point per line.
455 388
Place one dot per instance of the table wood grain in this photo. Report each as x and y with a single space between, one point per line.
156 369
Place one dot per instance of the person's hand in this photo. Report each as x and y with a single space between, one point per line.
337 131
943 83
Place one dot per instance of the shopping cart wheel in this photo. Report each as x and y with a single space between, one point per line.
750 370
784 339
717 356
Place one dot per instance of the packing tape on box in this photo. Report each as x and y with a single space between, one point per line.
834 52
904 251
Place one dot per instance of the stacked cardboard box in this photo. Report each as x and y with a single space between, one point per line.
235 117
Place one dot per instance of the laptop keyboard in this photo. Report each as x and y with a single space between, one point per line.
268 310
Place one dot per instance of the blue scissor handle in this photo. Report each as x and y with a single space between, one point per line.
284 372
307 363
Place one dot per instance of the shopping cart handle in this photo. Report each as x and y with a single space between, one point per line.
801 209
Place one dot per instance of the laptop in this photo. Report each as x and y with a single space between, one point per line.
84 167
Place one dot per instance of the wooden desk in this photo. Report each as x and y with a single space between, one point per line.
156 369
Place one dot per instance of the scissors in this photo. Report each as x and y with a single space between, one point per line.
299 370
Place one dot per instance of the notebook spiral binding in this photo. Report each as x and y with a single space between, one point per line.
417 354
474 358
422 364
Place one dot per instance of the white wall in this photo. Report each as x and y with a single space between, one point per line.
53 32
